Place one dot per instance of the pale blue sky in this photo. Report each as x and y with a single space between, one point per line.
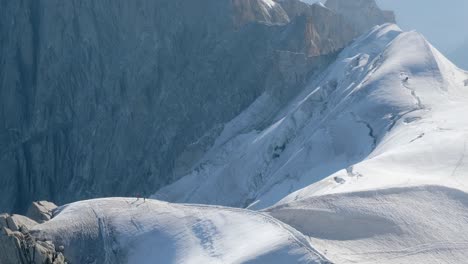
444 23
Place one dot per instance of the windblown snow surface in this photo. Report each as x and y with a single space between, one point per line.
124 230
370 161
368 165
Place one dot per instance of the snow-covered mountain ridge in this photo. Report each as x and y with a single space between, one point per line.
389 96
369 161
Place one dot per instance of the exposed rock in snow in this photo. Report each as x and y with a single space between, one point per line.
18 246
15 222
41 211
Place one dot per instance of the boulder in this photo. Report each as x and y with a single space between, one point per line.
41 211
24 221
15 222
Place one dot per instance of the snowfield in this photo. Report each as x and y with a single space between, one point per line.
388 113
125 230
369 164
370 161
395 225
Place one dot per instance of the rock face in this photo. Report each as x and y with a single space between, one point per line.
18 246
362 14
101 98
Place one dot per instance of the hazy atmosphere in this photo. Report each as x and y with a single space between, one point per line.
443 23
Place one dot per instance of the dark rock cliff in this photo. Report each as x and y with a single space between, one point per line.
100 98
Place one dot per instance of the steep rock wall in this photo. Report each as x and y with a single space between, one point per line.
101 98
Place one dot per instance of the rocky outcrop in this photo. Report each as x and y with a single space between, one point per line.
318 26
104 98
362 14
18 246
41 211
15 222
266 11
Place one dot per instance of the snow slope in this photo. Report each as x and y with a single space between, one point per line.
370 161
424 141
395 225
124 230
407 201
391 102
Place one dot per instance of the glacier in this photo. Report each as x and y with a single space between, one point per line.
366 163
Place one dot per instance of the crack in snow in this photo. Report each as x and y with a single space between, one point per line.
371 130
418 137
419 104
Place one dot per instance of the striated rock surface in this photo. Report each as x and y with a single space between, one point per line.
103 98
